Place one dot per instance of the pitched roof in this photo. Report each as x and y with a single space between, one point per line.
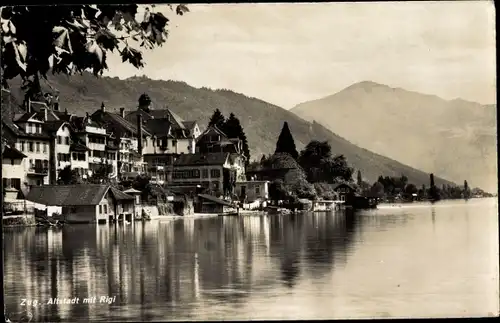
20 133
119 195
159 127
51 115
12 152
178 120
26 116
189 124
37 105
214 199
67 195
104 116
51 127
201 159
212 129
73 195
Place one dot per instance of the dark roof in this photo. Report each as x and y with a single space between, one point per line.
115 119
51 127
51 115
189 124
12 152
37 105
67 195
73 195
214 199
119 195
20 133
213 129
26 116
158 127
201 159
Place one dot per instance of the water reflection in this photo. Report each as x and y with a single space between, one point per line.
204 269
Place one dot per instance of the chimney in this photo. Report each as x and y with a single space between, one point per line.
122 112
55 105
45 113
139 133
29 105
103 107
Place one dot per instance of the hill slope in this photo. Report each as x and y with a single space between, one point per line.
456 139
262 121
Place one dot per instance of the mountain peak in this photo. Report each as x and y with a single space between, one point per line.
366 85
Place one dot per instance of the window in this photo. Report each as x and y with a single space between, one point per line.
59 140
257 190
105 209
215 173
204 173
44 147
342 198
30 147
37 147
66 140
100 209
22 145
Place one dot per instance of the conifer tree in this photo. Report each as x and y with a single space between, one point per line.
217 119
285 143
233 129
359 178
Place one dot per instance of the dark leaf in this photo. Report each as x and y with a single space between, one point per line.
181 9
106 39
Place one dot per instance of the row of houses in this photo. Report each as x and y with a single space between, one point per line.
43 140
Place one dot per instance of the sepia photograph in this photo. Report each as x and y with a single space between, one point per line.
249 161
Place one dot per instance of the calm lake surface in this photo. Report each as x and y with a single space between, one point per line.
416 260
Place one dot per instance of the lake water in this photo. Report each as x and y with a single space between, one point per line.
416 260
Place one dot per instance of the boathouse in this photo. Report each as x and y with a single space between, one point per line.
87 203
345 192
211 204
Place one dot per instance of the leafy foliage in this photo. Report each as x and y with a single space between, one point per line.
321 166
69 176
285 143
101 174
75 38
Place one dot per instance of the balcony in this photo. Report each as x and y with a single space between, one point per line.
38 171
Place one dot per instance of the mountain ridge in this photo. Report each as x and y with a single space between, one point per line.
421 130
262 121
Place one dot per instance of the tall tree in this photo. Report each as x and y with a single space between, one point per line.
144 102
359 180
466 190
75 38
320 166
285 143
233 129
218 120
433 190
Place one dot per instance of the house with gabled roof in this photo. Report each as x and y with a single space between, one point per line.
88 203
13 167
215 140
216 171
28 135
129 138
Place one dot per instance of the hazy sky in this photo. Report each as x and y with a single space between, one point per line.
290 53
